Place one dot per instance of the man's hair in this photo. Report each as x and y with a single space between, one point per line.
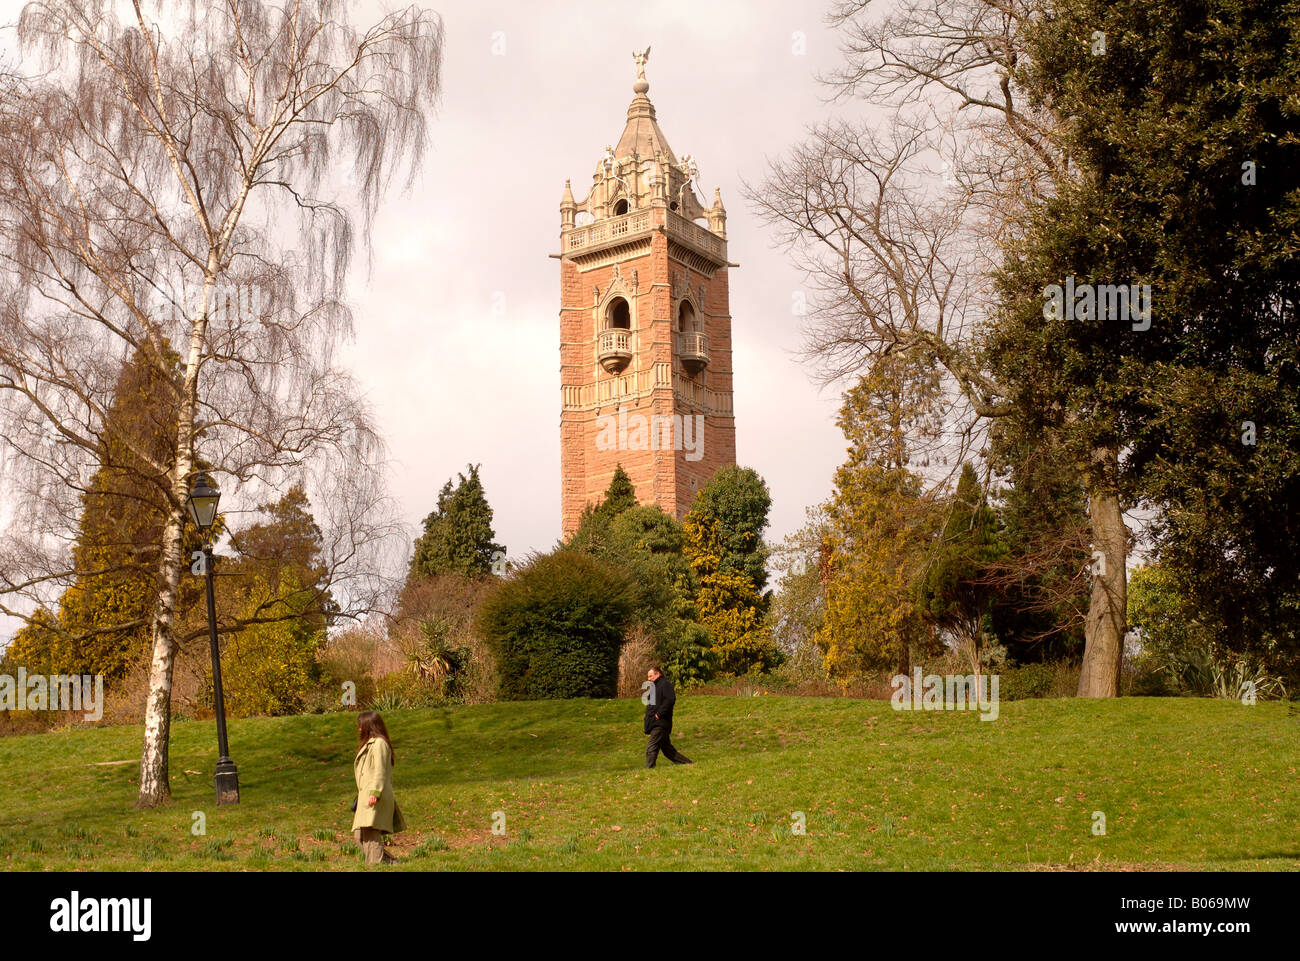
654 668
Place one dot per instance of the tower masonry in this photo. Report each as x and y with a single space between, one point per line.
645 325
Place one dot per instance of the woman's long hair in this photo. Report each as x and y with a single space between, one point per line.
370 724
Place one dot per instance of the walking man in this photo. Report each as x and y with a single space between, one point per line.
659 719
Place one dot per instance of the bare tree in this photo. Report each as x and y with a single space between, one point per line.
903 264
171 181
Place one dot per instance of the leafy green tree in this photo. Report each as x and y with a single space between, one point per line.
1181 132
1159 611
1228 483
737 498
1179 652
645 543
458 536
270 666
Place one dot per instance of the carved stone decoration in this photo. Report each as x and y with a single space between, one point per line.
595 293
635 280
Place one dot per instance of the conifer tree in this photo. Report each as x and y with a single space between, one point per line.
458 536
881 526
104 616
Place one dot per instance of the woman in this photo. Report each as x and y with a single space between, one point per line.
376 807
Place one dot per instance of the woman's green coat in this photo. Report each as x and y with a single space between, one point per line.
373 768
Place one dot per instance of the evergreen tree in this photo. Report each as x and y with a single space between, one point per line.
729 603
645 544
458 536
620 495
724 546
737 498
274 607
880 526
1188 175
282 555
955 593
104 617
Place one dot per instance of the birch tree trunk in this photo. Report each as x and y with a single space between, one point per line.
155 785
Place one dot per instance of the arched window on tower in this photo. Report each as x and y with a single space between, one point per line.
620 208
618 314
686 317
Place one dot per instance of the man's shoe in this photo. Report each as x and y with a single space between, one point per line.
683 759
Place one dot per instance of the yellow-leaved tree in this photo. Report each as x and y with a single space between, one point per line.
729 603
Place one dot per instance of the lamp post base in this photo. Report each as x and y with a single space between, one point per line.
227 782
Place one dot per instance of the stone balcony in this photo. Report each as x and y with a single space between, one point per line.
614 348
592 238
693 349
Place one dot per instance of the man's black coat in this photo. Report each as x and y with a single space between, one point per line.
661 703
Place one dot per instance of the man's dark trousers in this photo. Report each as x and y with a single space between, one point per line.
659 742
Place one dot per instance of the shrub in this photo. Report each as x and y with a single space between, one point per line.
1145 677
556 627
434 633
688 654
401 690
636 657
359 655
1025 681
268 668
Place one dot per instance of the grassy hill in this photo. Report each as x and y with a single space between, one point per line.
1183 783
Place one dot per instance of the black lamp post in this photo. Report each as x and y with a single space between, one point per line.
202 505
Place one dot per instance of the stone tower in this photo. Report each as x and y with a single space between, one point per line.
645 327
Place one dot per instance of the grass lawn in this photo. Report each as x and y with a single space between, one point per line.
1183 784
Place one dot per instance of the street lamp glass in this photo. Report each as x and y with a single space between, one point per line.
202 502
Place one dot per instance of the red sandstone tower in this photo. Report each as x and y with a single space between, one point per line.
645 327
